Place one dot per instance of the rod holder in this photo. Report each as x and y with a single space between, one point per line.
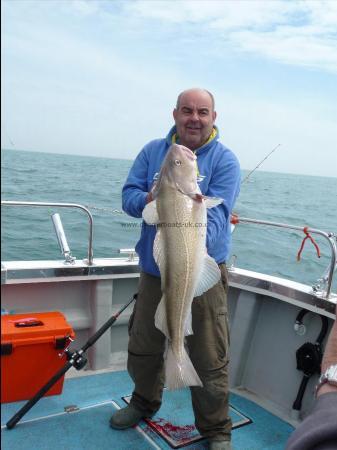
129 251
63 205
61 237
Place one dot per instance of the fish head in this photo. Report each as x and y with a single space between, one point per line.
179 169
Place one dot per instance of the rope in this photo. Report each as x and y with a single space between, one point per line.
307 236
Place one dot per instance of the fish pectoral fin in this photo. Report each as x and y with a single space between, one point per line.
210 275
211 202
160 318
150 213
196 196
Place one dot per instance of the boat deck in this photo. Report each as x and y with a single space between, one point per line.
91 399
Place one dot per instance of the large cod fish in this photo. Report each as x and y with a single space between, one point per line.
180 212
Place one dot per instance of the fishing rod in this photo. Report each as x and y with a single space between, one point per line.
266 157
75 359
8 136
235 216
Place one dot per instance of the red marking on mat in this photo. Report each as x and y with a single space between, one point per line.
174 432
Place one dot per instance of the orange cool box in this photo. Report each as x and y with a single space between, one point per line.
30 348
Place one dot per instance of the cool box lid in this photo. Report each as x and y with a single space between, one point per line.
21 329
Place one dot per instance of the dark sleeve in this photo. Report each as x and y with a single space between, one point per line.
318 431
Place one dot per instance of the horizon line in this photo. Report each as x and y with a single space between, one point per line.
130 159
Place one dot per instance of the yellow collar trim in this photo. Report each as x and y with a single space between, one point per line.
175 137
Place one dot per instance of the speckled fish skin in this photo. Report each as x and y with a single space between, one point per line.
179 250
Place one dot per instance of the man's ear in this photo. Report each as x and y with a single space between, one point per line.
214 116
175 113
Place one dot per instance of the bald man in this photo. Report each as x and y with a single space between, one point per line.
218 176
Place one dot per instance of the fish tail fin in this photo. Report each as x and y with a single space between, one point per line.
180 373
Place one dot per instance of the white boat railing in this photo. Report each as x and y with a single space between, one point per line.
235 219
330 237
63 205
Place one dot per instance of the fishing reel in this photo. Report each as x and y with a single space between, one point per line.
309 355
309 358
77 358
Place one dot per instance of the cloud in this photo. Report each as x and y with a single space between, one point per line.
300 33
282 45
83 7
102 77
215 13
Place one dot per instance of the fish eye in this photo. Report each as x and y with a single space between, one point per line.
177 162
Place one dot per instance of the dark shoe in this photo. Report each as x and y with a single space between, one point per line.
220 445
126 418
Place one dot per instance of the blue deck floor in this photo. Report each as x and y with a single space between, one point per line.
48 427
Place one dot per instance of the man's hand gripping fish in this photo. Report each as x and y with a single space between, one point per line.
180 212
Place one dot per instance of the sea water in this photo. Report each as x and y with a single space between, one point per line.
28 234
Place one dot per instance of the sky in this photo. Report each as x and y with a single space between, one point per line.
101 77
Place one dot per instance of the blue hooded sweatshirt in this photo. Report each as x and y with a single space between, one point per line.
219 176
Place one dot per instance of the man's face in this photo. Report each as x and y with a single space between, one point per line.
194 118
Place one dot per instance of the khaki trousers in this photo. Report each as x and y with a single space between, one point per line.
208 349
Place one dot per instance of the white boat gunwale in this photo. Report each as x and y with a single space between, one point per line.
30 272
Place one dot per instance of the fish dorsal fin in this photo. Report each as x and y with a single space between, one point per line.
150 213
210 274
210 202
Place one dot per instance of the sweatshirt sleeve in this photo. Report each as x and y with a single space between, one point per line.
135 190
225 184
318 431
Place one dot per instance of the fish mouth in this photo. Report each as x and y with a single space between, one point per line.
189 154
